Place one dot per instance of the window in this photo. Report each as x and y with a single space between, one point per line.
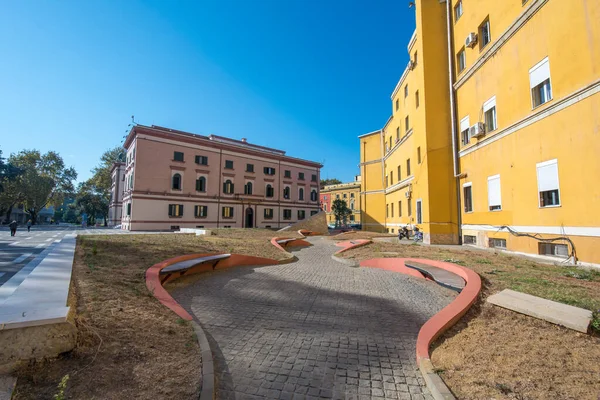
352 218
248 188
406 90
417 99
202 160
345 196
419 155
553 249
399 173
408 208
539 82
461 60
458 11
548 188
175 210
287 214
268 213
200 211
390 143
228 164
485 35
497 243
352 204
464 131
301 176
313 195
415 58
269 171
392 208
228 187
313 178
129 209
249 167
406 124
227 212
387 210
489 111
176 182
468 197
351 195
201 184
301 214
287 174
391 177
301 194
286 192
337 196
408 167
269 191
400 208
397 104
398 133
174 227
494 193
177 156
469 239
387 179
419 212
325 207
523 2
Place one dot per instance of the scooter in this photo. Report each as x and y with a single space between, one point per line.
403 233
418 234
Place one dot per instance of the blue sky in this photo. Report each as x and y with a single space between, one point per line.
305 76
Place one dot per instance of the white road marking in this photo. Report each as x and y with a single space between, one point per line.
14 243
22 257
57 241
30 237
49 239
40 245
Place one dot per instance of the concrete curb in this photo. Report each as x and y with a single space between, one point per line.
436 385
352 244
345 261
207 371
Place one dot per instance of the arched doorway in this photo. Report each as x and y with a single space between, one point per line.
249 218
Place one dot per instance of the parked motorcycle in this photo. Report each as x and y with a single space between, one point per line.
418 235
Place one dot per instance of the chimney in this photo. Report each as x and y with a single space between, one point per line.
244 140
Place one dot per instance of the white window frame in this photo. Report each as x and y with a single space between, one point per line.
417 208
539 74
468 184
462 56
458 7
173 172
465 124
487 106
491 178
537 171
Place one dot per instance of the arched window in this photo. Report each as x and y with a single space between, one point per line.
301 194
176 182
201 184
352 205
286 192
313 195
228 187
269 191
248 188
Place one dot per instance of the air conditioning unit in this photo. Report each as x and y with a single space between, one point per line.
408 193
477 130
471 40
411 65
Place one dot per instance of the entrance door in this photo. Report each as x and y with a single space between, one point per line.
419 212
249 218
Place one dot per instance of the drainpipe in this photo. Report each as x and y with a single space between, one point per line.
381 135
219 187
455 160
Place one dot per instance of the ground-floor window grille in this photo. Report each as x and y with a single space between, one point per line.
554 249
469 239
497 243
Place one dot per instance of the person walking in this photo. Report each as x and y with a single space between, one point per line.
29 226
13 228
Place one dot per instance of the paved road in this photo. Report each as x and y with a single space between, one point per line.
314 328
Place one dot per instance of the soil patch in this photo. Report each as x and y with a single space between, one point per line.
359 235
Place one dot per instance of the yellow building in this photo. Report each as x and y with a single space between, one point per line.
498 113
349 193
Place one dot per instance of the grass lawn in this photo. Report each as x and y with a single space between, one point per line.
130 345
496 353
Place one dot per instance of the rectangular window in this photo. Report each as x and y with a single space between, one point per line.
301 214
200 211
408 167
202 160
268 213
352 218
397 133
313 178
391 177
409 208
468 197
548 188
539 82
351 195
417 99
400 208
415 58
177 156
201 184
249 167
392 208
553 249
406 124
228 164
399 173
397 104
325 207
458 11
313 212
387 210
287 174
464 131
469 239
419 212
387 180
497 243
406 90
227 212
419 155
494 193
129 209
301 176
287 214
485 35
175 210
461 60
174 227
489 110
270 171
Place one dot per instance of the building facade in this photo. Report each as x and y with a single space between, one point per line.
115 207
349 193
499 150
175 179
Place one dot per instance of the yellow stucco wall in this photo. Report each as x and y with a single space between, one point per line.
372 198
348 192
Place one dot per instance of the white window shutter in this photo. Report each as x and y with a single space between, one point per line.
464 124
494 196
488 105
547 175
539 73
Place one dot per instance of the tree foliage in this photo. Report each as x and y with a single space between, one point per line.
332 181
9 193
341 212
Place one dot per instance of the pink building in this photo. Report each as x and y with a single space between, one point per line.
176 179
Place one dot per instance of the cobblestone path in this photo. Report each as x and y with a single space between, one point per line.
314 329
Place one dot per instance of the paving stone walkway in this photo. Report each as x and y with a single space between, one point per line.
314 329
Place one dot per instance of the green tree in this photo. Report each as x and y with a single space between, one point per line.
45 180
341 212
332 181
9 193
91 201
